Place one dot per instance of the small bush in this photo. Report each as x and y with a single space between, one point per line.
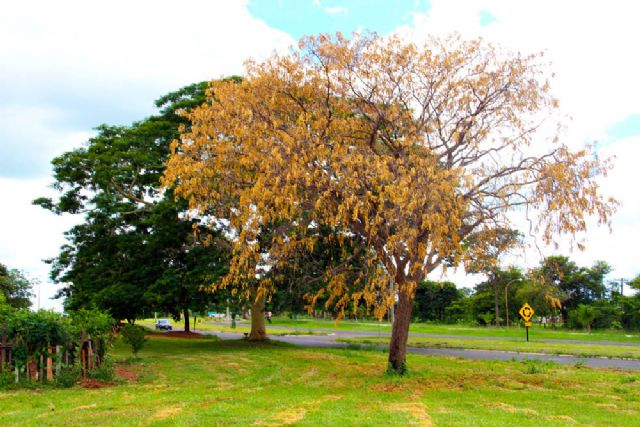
105 372
616 325
534 369
535 366
134 335
68 377
7 377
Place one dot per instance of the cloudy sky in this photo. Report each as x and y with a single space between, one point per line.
70 65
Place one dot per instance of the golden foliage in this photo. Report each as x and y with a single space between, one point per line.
413 149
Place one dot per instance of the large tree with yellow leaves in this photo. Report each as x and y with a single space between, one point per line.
414 150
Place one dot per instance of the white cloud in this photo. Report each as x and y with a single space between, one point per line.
159 41
589 43
70 65
29 234
591 46
32 136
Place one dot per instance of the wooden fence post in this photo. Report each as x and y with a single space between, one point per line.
82 360
49 364
58 360
32 367
90 364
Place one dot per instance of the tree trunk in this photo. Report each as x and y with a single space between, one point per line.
496 300
565 315
400 334
258 328
185 313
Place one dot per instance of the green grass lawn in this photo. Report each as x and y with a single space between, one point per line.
206 382
585 349
535 331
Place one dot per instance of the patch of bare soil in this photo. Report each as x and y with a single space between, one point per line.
91 383
122 372
126 373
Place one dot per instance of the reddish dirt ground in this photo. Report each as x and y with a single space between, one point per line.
91 383
125 373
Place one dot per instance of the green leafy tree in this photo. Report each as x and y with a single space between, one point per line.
577 285
186 265
15 288
484 250
630 316
136 249
305 278
499 290
585 315
433 299
134 336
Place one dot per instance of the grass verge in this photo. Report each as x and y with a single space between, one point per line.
536 331
207 382
577 349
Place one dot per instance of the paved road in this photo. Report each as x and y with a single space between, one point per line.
359 334
329 341
354 334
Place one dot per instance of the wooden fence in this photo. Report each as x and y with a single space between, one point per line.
5 355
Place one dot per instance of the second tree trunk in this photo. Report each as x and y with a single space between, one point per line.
258 328
400 334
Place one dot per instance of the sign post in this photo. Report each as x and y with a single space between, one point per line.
527 313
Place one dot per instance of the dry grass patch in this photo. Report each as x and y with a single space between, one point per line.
286 417
294 415
82 407
510 408
417 410
607 405
565 418
168 412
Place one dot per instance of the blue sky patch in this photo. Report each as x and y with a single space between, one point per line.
307 17
486 18
629 126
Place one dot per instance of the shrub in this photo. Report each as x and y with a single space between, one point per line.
134 335
583 316
36 334
68 376
7 377
105 372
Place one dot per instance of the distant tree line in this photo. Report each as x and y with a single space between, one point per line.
561 293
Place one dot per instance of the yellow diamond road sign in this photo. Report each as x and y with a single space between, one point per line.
526 312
